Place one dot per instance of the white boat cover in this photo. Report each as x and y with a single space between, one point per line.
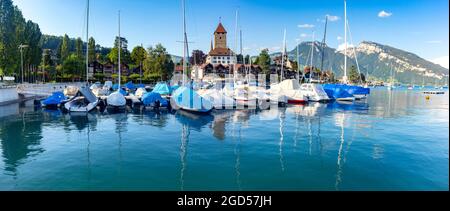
217 98
140 92
116 99
289 88
71 91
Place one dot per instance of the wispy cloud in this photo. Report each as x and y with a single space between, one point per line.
333 18
384 14
339 38
304 35
306 26
434 41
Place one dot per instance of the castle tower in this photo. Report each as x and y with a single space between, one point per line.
220 37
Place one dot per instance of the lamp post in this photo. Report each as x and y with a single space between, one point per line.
21 47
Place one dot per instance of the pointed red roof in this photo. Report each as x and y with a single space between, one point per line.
220 29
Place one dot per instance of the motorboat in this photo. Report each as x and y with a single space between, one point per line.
71 91
153 99
164 89
140 92
54 101
116 102
291 89
83 101
100 91
314 92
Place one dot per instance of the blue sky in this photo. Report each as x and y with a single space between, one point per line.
419 26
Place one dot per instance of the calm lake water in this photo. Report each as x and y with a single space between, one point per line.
394 141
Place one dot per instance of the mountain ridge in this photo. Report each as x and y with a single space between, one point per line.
376 60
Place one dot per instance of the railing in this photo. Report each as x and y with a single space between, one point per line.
44 89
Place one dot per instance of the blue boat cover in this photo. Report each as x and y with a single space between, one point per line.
55 99
140 86
163 89
115 87
130 86
335 91
358 90
188 99
151 97
123 92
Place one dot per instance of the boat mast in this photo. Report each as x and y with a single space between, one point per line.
236 46
323 42
119 48
345 44
313 45
87 43
283 54
298 60
185 40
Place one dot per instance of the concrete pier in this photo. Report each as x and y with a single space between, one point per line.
8 94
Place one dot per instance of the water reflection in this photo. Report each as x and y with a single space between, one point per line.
282 118
20 139
340 121
308 142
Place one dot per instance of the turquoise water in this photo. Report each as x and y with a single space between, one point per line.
395 141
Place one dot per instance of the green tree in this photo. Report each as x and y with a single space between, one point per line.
354 76
138 55
15 31
92 51
264 61
113 56
65 48
72 66
79 48
158 63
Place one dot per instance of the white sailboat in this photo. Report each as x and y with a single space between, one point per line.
185 97
391 85
84 100
116 101
290 88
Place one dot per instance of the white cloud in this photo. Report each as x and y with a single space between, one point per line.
304 35
443 61
306 26
341 47
434 41
333 18
384 14
247 49
339 38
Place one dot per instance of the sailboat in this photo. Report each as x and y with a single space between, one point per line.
289 87
314 92
345 92
391 85
185 98
84 100
116 101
